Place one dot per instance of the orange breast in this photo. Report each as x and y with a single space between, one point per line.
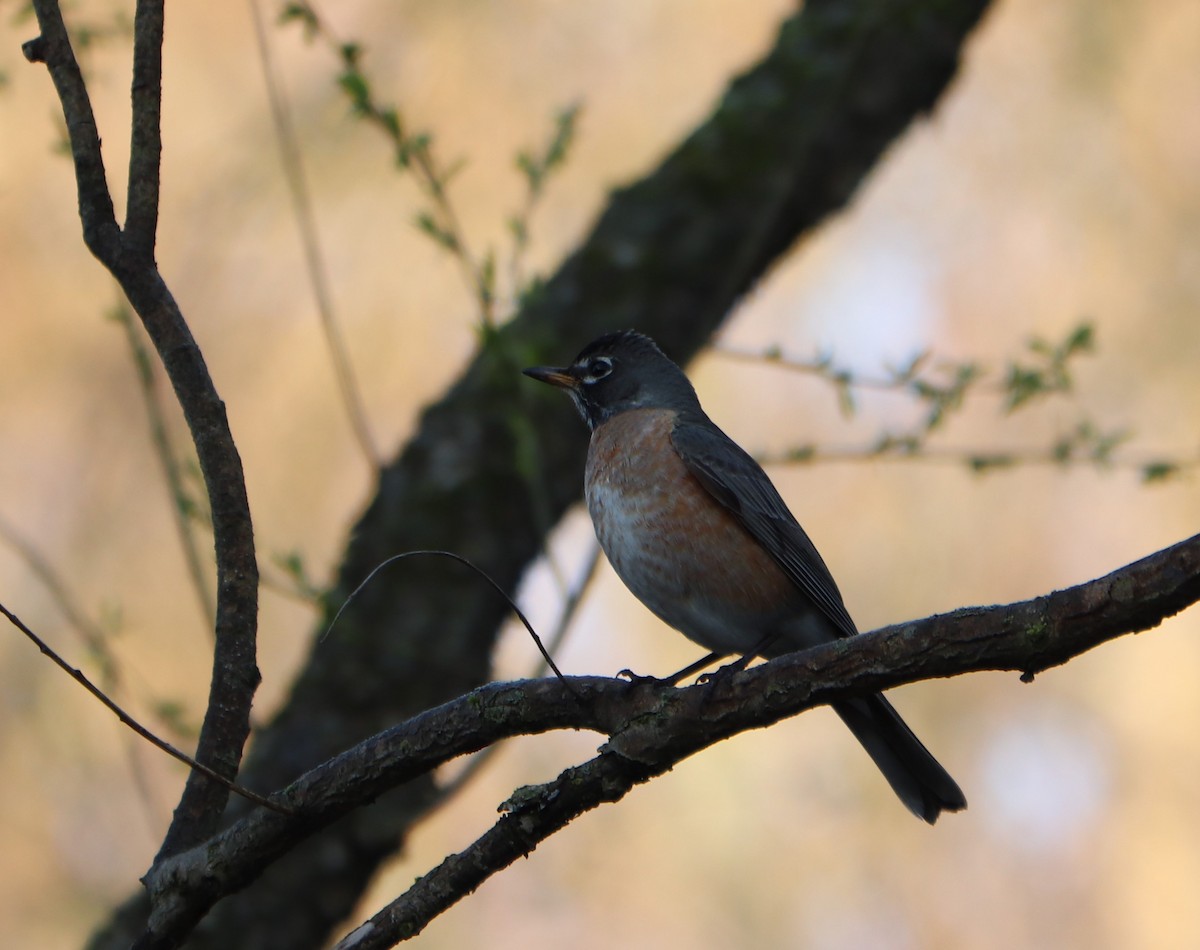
678 550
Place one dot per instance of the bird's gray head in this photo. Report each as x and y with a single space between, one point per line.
618 372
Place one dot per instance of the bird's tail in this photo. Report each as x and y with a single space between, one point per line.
914 774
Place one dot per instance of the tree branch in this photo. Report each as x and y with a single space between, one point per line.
53 47
129 256
145 150
651 728
1029 637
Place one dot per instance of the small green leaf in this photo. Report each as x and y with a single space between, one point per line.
909 371
303 14
415 146
967 374
354 84
517 228
1022 384
528 167
986 463
425 223
1081 340
1159 471
389 118
564 135
801 453
487 279
845 394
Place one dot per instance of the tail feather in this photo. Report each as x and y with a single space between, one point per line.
914 774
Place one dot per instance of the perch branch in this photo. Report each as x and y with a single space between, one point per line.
650 728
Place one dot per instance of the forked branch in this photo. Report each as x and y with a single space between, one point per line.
129 255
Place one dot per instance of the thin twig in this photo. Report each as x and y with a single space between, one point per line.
412 151
822 366
571 604
537 168
136 726
314 259
461 560
982 461
181 500
434 183
93 636
272 578
454 785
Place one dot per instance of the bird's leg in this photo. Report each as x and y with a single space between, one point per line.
674 680
743 661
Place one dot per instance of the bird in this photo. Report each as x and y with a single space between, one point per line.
696 530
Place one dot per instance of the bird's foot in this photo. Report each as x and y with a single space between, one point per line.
638 679
727 671
676 678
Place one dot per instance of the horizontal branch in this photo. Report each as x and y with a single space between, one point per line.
651 728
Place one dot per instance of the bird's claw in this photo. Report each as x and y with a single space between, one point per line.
638 679
725 672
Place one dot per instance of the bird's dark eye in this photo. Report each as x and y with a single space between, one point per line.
597 368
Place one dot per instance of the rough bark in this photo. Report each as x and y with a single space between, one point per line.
650 727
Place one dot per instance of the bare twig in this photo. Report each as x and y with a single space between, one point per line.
285 575
79 677
570 605
93 635
571 602
95 638
450 555
181 499
314 260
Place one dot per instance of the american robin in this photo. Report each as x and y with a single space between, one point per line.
694 527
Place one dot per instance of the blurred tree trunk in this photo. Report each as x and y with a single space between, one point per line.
495 463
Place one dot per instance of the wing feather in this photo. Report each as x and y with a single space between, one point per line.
738 482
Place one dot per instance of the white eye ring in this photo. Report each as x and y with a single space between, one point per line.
596 369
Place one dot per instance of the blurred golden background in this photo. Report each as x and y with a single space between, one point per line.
1057 181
